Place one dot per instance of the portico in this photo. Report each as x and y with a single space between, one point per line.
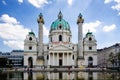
60 59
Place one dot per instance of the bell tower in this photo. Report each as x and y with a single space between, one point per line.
40 21
30 50
80 36
90 50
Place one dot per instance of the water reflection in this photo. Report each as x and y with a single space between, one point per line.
11 76
60 76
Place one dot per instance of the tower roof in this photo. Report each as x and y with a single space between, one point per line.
60 23
31 33
88 33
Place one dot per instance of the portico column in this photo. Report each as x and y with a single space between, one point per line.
72 59
63 59
53 58
67 58
49 58
71 62
49 61
57 59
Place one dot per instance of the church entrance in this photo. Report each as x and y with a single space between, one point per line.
60 62
90 62
30 62
60 59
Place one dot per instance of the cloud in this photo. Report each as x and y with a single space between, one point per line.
45 31
70 2
119 13
91 26
20 1
38 3
12 32
14 44
116 6
109 28
5 18
107 1
4 2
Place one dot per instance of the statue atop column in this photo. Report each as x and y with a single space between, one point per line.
80 19
40 19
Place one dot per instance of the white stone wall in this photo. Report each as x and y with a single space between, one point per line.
86 48
32 43
34 48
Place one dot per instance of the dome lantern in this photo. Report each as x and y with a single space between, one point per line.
60 16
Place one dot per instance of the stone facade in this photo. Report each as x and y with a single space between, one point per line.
60 51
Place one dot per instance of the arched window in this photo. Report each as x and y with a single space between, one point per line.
90 61
60 37
90 39
60 27
30 38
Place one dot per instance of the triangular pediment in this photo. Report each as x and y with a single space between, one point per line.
61 48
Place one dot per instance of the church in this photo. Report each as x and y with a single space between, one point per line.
60 52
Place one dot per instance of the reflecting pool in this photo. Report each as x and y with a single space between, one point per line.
60 76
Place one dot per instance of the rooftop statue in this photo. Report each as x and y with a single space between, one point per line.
80 19
40 19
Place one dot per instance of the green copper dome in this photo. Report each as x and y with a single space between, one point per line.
60 23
